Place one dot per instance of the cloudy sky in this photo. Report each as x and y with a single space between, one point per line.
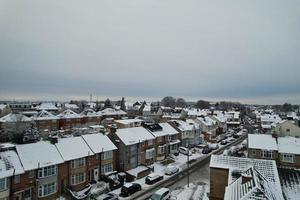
241 50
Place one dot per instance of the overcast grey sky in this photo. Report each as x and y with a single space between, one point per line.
242 50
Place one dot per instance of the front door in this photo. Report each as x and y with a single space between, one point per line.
96 174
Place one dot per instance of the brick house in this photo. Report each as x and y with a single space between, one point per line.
69 119
135 147
46 120
79 159
42 165
166 139
284 150
90 117
103 161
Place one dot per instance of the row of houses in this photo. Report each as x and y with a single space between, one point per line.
46 170
67 119
284 150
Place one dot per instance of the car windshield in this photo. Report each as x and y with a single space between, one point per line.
155 197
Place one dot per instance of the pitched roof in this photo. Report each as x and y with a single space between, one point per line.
45 115
11 117
73 148
262 141
69 114
46 106
38 155
267 168
134 135
12 159
255 187
98 142
289 145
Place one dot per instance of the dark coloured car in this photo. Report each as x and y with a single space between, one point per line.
206 150
129 189
153 178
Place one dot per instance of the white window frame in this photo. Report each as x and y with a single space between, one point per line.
149 154
47 189
78 178
161 149
288 158
266 154
3 184
77 163
106 168
107 155
47 171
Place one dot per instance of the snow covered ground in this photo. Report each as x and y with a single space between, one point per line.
195 191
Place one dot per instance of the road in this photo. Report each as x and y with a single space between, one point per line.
198 170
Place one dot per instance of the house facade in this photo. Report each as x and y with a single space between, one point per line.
136 146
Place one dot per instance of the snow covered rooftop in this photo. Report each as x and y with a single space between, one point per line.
45 115
267 168
289 145
207 121
196 112
73 148
186 126
129 121
38 155
5 169
134 135
71 106
2 106
11 117
46 106
68 114
13 160
262 141
252 185
98 142
167 129
90 113
111 111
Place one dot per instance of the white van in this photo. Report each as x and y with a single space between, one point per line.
185 151
161 194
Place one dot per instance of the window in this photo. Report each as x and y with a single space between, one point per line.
27 194
161 149
47 189
149 153
106 155
289 158
253 152
78 178
3 184
47 171
17 179
266 154
287 130
78 163
31 174
106 168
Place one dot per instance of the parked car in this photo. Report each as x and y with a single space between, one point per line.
185 151
236 136
153 178
108 196
161 194
169 170
206 150
213 146
201 146
224 142
129 189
